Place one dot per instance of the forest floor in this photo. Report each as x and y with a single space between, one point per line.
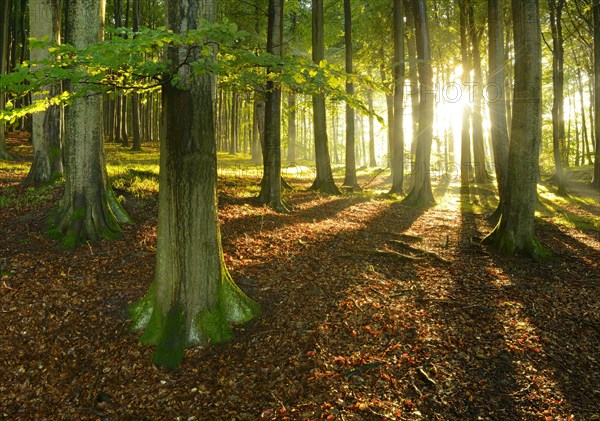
371 309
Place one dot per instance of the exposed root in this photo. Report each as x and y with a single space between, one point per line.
421 251
392 253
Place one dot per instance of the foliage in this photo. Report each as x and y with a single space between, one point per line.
135 62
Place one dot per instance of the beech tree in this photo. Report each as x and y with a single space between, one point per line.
193 299
88 209
481 174
514 234
350 174
558 82
44 19
4 14
465 143
324 179
350 168
596 11
397 144
421 193
135 98
496 103
270 192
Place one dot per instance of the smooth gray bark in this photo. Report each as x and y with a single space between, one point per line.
4 14
324 179
465 143
88 209
193 299
558 82
514 234
398 74
292 131
496 99
421 193
44 18
596 10
350 173
481 174
270 192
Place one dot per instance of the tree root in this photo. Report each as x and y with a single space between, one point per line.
421 251
392 253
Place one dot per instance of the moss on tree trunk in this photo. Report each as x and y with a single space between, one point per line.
193 300
514 234
88 209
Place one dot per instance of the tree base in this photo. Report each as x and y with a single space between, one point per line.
285 185
172 333
326 187
505 243
422 198
396 190
351 187
95 221
494 217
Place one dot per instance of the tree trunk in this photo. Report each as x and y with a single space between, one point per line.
398 72
233 140
270 192
591 108
47 154
508 82
124 130
496 99
88 209
421 193
4 11
481 174
558 113
258 127
596 10
465 144
193 299
514 234
135 108
324 180
372 157
292 136
413 75
350 173
335 120
584 129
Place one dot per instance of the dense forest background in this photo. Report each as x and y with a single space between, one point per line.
310 210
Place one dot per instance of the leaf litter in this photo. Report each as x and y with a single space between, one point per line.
345 333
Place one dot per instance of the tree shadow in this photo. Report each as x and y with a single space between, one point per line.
558 324
475 363
311 321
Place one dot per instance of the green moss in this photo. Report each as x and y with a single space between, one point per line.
111 235
169 333
172 343
153 329
140 312
55 153
70 240
538 251
53 234
55 177
116 207
213 324
239 308
78 214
